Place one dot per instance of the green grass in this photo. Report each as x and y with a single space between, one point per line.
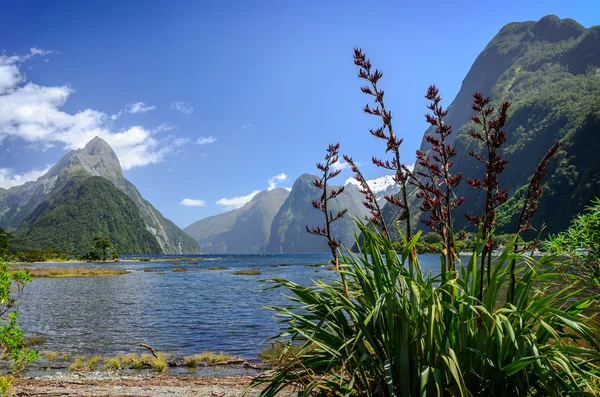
279 353
79 364
113 364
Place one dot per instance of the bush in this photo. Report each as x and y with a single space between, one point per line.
581 244
405 333
12 340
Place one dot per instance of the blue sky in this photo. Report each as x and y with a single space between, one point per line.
209 101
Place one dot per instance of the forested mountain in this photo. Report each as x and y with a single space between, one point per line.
288 230
550 71
95 159
71 216
244 230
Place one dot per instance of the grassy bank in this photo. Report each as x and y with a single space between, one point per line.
55 272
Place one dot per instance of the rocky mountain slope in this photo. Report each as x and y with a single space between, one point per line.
245 230
288 230
550 71
95 159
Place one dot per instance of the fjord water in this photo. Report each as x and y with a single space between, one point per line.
179 312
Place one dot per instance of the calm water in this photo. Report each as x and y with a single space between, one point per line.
183 313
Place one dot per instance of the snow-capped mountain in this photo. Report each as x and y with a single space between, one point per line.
382 186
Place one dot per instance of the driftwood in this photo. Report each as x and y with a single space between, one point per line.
150 348
241 361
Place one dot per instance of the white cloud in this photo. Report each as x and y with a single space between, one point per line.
39 51
352 181
34 114
138 107
192 203
339 165
9 179
203 140
410 166
275 180
164 127
236 202
247 125
182 107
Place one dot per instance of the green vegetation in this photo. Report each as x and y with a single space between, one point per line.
400 334
506 325
49 255
12 340
70 218
55 272
280 353
103 250
179 269
248 272
581 244
4 243
207 358
431 243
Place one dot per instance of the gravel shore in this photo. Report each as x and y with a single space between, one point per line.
80 384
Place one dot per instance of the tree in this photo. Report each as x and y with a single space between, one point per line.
103 249
4 243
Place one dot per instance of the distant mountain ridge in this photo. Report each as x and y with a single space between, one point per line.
244 230
96 159
288 230
275 221
550 72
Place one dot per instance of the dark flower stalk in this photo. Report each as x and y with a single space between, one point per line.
331 158
385 132
492 136
436 183
370 200
530 208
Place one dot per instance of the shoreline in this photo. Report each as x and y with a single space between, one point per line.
138 385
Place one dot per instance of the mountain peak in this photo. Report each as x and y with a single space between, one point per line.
97 144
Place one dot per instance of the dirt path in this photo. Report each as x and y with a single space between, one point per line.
143 385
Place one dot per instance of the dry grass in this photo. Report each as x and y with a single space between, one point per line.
215 268
252 272
179 269
73 272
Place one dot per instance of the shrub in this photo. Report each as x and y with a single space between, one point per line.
581 244
12 341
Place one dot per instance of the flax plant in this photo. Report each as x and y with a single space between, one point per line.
328 194
390 329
